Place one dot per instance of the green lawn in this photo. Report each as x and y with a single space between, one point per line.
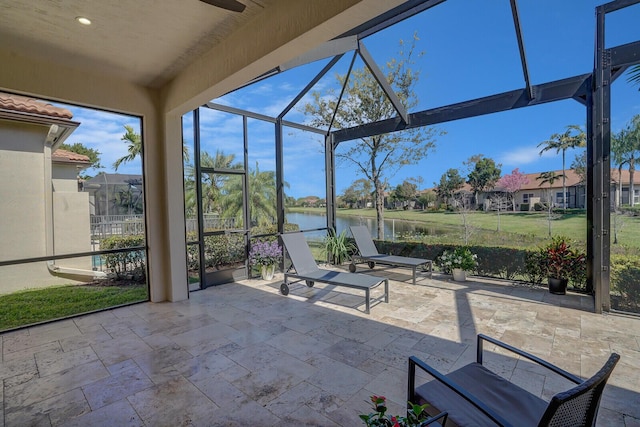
517 229
39 305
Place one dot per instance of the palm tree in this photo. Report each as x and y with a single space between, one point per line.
134 149
262 198
625 147
573 137
550 178
634 75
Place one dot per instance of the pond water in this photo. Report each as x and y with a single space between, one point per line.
393 228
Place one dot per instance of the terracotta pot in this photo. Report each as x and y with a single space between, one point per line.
557 286
459 275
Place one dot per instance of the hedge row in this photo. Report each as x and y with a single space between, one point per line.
125 263
503 263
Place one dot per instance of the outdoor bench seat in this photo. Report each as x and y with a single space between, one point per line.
306 269
367 252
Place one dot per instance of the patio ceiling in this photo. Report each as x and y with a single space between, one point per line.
146 42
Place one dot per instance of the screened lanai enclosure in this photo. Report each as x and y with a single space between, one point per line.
306 159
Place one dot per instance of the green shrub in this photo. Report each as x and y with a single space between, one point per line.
123 263
539 207
535 267
524 207
625 278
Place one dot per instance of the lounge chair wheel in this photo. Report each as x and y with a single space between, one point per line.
371 264
284 289
309 283
352 268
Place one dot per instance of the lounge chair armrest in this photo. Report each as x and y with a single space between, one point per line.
414 361
441 418
561 372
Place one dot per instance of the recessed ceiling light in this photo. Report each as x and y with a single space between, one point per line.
83 20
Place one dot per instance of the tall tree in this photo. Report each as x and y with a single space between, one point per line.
634 75
512 183
625 146
573 137
91 153
549 178
364 101
134 148
405 192
483 176
450 182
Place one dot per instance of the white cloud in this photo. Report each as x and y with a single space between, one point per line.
524 155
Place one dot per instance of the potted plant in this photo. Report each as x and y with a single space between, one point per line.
561 262
337 247
416 415
265 255
458 261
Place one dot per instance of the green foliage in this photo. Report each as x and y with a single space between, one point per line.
484 175
563 262
524 207
625 278
123 263
338 247
460 257
134 148
450 182
535 266
416 415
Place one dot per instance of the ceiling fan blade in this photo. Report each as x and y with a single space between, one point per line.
232 5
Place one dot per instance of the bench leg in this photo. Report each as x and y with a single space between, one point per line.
414 275
386 290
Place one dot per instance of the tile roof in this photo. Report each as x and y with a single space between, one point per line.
61 155
23 104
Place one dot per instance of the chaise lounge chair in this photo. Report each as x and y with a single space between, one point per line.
368 253
307 270
475 396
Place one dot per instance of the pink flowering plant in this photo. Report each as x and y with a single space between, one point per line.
379 418
265 253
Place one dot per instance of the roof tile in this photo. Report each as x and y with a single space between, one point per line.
24 104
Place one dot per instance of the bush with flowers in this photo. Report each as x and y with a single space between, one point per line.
416 415
265 253
460 257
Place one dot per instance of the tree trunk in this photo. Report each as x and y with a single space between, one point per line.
380 211
564 187
632 168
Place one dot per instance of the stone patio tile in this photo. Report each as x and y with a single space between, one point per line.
247 414
51 411
89 322
119 413
116 387
337 378
38 389
174 402
204 366
298 345
95 335
19 366
391 383
305 416
52 361
222 392
119 349
201 335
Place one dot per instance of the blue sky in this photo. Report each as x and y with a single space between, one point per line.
470 51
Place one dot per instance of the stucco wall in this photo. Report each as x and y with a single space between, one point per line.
22 206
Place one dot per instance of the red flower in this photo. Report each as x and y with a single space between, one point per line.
394 420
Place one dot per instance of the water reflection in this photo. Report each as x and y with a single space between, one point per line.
393 228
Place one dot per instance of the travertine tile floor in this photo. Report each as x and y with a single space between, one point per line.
244 355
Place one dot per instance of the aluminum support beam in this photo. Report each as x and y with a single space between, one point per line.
279 176
600 168
617 5
547 92
625 55
523 55
330 168
382 81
